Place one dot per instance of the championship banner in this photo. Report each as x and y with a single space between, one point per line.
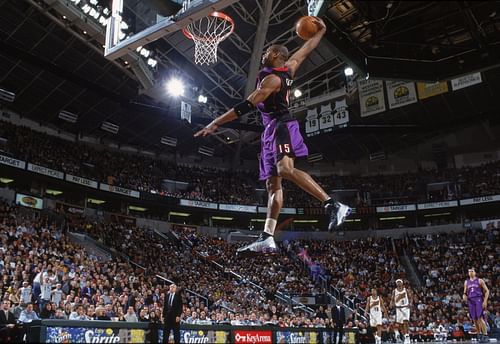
239 208
482 199
340 113
312 123
93 335
7 160
119 190
326 119
82 181
198 204
306 300
45 171
199 336
430 90
291 211
371 97
400 93
396 208
435 205
29 201
299 337
466 81
253 337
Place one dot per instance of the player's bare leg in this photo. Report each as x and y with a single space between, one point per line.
265 242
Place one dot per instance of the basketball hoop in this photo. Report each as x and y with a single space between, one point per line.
207 33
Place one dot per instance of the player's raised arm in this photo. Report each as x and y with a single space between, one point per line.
269 85
300 55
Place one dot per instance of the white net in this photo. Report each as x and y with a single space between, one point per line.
207 33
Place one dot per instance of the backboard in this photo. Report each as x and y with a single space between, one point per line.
134 23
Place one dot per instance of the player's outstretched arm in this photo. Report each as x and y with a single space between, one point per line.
269 85
300 55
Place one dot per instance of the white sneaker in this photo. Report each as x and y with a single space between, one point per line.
338 213
264 244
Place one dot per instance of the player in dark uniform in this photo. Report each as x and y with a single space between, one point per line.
476 295
281 141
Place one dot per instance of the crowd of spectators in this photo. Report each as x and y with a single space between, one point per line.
45 275
142 173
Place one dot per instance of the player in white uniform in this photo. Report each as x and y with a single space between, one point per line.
374 308
401 299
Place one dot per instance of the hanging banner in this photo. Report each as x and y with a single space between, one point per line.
29 201
466 81
340 113
312 123
45 171
396 208
430 90
82 181
400 93
371 97
326 119
239 208
119 190
7 160
482 199
435 205
198 204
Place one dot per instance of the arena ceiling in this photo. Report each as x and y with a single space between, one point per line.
52 66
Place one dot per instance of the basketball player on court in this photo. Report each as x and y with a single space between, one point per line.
476 294
374 308
401 299
281 141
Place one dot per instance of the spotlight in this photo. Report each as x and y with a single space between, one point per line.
93 2
106 11
202 99
145 52
297 93
86 9
175 87
348 71
121 36
84 32
123 25
152 62
92 12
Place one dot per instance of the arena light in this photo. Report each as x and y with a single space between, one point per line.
175 213
222 218
86 8
438 214
297 93
353 220
133 207
152 62
123 25
202 99
6 180
145 52
392 218
305 221
257 220
348 71
175 87
95 201
53 192
7 96
93 2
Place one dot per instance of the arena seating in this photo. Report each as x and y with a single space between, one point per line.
235 187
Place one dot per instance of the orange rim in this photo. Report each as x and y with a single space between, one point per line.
217 15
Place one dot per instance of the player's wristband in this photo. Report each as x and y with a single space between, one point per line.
243 108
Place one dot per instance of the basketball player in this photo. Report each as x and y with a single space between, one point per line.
374 308
476 294
401 299
281 141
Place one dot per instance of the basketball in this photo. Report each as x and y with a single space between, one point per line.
306 27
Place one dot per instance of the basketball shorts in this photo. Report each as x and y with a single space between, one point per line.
475 308
402 314
375 319
280 139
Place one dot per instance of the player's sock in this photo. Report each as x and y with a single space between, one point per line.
328 202
270 226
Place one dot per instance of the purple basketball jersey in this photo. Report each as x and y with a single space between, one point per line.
474 290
